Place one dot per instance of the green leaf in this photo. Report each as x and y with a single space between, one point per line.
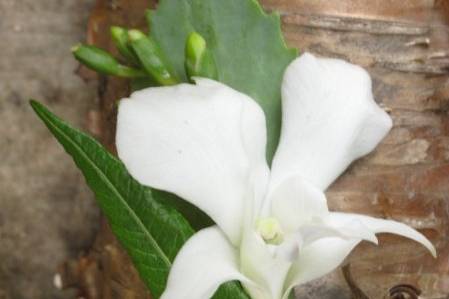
150 230
246 44
292 295
230 290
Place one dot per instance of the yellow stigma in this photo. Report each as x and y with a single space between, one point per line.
270 230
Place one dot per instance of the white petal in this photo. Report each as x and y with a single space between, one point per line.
203 142
318 259
386 226
262 266
329 119
347 230
295 202
324 255
293 243
205 262
255 142
302 211
350 228
316 229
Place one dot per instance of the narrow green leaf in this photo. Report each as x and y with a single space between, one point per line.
246 44
150 230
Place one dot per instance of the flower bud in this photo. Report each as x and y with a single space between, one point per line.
195 47
120 37
151 58
102 62
199 61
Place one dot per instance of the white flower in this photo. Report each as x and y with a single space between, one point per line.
206 143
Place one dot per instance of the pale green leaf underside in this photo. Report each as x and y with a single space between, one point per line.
151 231
246 43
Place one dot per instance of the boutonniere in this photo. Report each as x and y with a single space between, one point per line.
205 124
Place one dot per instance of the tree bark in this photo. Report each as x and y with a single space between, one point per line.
404 45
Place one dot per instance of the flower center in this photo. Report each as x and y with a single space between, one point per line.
270 230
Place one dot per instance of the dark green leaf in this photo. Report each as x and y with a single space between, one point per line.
151 231
246 44
230 290
197 218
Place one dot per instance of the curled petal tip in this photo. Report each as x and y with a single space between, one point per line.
432 249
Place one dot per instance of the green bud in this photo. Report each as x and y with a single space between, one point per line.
102 62
120 37
151 58
135 35
199 61
195 47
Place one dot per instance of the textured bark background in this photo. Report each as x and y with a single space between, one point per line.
405 47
